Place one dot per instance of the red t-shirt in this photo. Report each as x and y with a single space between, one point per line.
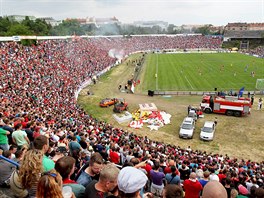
114 157
69 181
192 189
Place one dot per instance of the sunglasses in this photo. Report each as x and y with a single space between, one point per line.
47 174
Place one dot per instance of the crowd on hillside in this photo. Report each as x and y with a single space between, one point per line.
55 143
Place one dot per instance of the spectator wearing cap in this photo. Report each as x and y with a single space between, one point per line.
192 187
130 181
87 174
20 137
42 143
6 169
172 191
106 185
214 189
66 167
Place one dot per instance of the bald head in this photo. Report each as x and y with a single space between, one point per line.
193 175
171 163
214 189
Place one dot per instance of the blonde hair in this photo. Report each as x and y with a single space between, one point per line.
50 185
233 193
31 168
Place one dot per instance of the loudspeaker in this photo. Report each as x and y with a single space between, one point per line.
215 89
150 93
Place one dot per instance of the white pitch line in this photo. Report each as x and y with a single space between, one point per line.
189 82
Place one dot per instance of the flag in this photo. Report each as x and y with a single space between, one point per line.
241 91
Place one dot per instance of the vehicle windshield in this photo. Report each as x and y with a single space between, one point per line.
207 130
186 126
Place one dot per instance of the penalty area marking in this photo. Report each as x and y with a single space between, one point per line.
189 82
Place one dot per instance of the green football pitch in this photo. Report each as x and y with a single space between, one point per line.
202 72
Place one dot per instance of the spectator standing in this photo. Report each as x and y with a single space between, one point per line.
130 181
114 156
6 169
66 166
106 185
30 171
214 189
173 178
49 185
4 139
87 174
192 187
157 180
184 172
205 178
74 147
42 143
20 137
260 103
252 99
172 191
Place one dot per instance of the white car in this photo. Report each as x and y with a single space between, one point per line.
207 132
187 128
192 114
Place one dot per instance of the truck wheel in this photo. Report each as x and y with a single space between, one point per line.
207 110
229 113
237 113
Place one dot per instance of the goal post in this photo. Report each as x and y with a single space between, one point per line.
260 84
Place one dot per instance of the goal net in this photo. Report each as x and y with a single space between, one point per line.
260 84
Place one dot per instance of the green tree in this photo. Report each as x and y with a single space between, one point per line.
204 30
41 27
18 29
4 25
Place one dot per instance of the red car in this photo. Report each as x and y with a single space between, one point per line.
107 102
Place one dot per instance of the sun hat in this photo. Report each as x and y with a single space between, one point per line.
131 179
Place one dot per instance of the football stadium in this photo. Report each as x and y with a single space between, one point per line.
132 115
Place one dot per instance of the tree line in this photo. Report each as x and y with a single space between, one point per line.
40 27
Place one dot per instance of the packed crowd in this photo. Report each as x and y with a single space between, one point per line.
55 143
142 43
257 51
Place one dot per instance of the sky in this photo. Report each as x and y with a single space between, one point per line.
178 12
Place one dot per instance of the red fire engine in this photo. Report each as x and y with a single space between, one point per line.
229 105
